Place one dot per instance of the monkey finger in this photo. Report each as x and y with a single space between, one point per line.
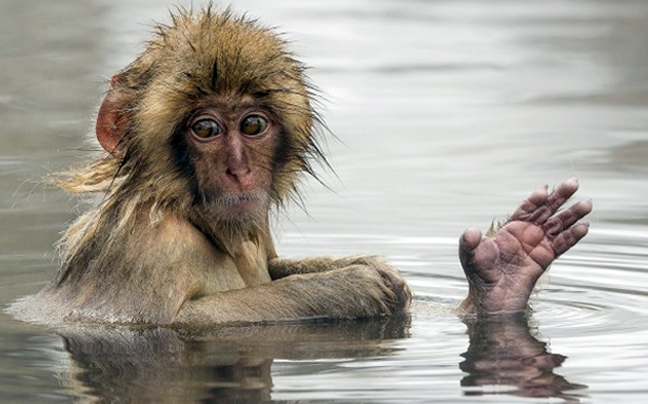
530 205
556 199
399 292
566 219
560 195
550 205
568 238
468 242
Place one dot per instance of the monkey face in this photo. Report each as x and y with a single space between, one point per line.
214 118
232 147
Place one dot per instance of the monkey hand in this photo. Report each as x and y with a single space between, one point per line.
351 287
390 280
502 269
364 274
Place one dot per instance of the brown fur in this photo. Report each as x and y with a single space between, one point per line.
155 250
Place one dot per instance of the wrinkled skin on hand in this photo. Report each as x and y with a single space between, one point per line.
503 269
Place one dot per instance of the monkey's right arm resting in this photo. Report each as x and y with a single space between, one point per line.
282 267
344 293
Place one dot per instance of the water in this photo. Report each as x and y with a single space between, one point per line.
448 114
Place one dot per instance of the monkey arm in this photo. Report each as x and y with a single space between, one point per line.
282 267
351 292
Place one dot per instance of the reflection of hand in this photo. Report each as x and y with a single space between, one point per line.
503 352
502 270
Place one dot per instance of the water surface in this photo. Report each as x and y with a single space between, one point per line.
448 114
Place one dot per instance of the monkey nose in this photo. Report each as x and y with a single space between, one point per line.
239 175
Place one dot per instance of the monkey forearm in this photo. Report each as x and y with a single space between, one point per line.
282 267
352 292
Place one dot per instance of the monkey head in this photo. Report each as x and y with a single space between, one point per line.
214 114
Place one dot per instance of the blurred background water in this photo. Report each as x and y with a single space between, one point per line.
448 114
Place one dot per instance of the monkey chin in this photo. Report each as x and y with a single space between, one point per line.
245 209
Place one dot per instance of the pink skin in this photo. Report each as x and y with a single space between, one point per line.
502 270
234 168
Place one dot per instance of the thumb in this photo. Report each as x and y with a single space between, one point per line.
468 242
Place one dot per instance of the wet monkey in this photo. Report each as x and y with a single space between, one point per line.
205 132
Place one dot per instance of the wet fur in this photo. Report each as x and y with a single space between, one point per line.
153 245
174 76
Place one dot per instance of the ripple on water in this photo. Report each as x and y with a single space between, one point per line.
577 318
604 291
600 288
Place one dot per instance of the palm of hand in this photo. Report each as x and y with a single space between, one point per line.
502 270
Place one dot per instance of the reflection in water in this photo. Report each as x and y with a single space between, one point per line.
523 93
505 355
234 363
225 364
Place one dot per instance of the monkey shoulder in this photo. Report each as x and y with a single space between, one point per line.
188 254
142 278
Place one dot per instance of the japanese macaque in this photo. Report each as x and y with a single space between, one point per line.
205 132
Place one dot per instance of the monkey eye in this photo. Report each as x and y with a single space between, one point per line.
206 128
254 125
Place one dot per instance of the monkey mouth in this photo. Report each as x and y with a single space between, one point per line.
234 200
234 206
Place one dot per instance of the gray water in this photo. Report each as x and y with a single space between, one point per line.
448 114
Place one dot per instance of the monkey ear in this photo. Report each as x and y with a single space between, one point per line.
112 118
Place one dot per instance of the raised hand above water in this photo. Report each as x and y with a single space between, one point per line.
502 268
